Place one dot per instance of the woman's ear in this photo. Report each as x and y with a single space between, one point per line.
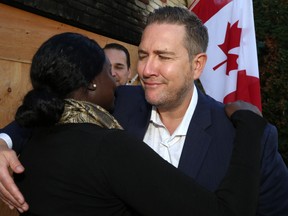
199 63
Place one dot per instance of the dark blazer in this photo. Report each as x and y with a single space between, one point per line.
208 146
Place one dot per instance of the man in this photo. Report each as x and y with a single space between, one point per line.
120 62
186 127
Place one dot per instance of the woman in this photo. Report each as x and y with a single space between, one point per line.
79 161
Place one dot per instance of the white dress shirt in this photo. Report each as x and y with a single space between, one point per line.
159 139
7 139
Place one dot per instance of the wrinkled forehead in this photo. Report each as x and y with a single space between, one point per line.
163 36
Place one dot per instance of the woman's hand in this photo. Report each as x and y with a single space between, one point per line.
230 108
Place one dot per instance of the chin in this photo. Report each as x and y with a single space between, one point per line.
152 94
152 100
157 100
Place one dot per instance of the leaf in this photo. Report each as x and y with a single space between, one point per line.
232 40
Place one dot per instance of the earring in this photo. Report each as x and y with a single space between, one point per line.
92 87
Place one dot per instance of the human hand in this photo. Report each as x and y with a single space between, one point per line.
9 192
230 108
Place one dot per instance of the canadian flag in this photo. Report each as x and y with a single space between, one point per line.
231 72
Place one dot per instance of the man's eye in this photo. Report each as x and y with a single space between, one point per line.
164 57
140 57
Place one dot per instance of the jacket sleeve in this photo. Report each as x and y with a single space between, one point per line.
273 199
18 134
152 186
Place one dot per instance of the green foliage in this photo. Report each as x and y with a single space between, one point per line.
272 34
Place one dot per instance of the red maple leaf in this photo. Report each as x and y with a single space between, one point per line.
232 40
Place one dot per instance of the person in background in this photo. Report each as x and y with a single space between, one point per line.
79 161
168 112
120 61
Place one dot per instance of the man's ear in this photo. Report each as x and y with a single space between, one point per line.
199 63
129 73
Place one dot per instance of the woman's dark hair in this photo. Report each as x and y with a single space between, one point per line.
62 64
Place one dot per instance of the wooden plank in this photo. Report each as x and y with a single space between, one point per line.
14 84
21 30
5 211
21 33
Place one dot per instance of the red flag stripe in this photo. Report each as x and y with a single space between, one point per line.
248 89
214 7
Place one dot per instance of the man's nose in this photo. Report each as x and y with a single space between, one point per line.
150 67
113 72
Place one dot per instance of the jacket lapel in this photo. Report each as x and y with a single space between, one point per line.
136 115
132 110
197 140
139 121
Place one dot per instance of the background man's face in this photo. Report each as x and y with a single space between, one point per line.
119 67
